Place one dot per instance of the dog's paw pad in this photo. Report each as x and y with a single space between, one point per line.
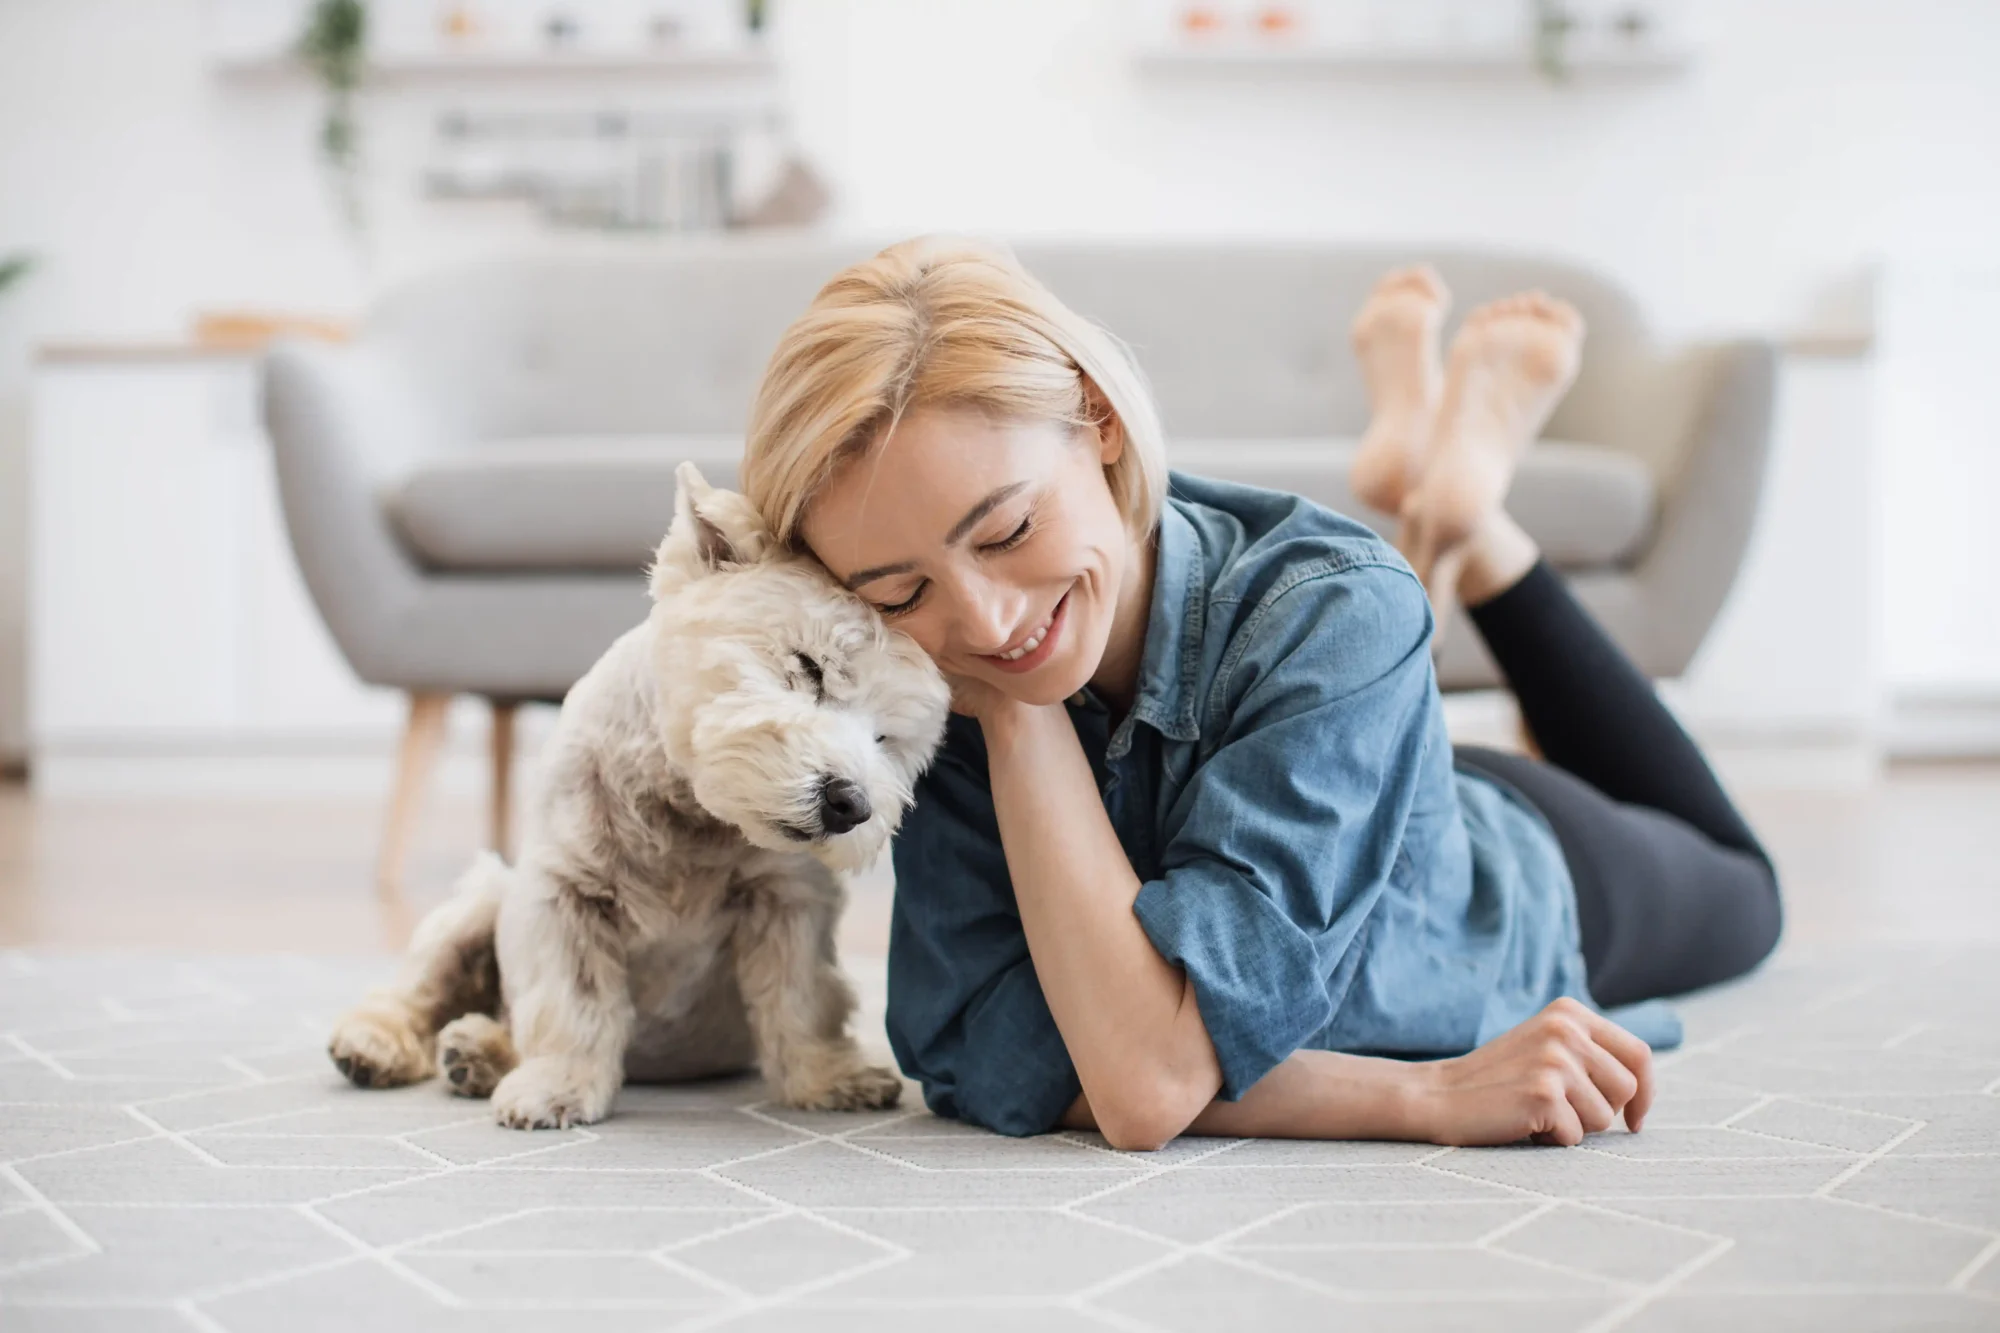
470 1073
355 1069
474 1054
372 1052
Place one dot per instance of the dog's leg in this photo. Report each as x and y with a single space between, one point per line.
389 1038
799 1003
562 959
474 1054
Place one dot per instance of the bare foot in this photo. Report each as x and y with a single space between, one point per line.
1396 341
1510 365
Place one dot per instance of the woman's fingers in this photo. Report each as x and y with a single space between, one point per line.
1603 1068
1565 1125
1637 1059
1594 1109
1566 1073
1618 1084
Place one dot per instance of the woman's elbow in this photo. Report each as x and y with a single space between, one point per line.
1147 1118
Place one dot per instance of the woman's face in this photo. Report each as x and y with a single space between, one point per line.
996 545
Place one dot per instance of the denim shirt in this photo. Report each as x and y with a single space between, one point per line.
1283 787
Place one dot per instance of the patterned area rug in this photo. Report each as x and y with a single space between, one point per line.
179 1155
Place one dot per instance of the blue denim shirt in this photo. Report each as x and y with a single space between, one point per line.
1283 786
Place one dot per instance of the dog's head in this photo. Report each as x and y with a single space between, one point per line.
797 713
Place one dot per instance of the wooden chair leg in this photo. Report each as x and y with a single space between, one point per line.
500 827
423 733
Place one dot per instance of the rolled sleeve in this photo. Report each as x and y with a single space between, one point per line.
1257 976
966 1014
1287 833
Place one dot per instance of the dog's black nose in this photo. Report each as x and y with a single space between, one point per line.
842 805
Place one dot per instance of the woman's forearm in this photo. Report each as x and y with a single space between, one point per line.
1127 1015
1315 1095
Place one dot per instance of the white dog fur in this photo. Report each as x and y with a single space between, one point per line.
671 913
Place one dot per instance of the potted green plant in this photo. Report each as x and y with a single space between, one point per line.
12 269
334 46
1554 25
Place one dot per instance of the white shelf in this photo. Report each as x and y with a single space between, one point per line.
448 66
1303 57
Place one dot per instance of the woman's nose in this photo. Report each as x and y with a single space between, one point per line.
988 617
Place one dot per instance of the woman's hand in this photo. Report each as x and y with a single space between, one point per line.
1564 1073
977 699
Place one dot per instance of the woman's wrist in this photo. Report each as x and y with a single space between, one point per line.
1408 1106
1423 1098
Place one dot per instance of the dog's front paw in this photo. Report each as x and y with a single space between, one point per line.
552 1093
474 1054
379 1045
860 1088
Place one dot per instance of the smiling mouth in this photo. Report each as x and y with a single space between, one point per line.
1031 647
1032 642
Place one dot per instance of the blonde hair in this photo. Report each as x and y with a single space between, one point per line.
936 322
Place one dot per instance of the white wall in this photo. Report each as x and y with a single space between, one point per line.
1810 137
1940 426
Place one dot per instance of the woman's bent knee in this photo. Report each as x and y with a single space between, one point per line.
1754 934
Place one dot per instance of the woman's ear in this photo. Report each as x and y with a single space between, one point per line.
1110 430
1111 440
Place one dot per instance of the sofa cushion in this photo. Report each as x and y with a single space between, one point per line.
593 503
603 502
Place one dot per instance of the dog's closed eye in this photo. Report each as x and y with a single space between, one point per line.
814 672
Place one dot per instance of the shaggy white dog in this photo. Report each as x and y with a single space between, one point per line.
671 913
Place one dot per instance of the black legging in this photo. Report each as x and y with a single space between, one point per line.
1672 889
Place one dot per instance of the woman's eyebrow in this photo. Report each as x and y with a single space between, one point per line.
981 510
998 496
854 581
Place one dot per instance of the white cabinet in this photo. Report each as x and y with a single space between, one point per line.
165 608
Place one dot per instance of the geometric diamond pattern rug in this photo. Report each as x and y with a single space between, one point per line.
178 1154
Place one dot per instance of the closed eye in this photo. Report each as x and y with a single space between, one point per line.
814 672
908 604
1007 543
1014 538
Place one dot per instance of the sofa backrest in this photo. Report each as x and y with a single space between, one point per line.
1239 341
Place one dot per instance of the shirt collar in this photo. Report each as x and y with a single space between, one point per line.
1171 660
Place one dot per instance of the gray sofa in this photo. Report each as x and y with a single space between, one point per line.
473 485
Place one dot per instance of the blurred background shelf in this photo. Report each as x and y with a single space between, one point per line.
518 65
1582 60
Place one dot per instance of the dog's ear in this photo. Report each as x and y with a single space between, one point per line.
713 530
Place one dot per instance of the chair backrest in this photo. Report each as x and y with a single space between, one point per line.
1239 341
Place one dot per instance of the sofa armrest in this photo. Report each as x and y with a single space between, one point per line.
1709 506
340 425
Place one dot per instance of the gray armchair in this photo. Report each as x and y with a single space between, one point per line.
472 486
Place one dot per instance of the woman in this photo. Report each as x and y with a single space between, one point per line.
1197 855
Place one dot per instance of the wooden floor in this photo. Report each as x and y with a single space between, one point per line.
1914 856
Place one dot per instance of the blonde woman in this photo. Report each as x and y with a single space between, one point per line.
1197 855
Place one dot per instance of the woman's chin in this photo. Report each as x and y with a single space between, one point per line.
1053 684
